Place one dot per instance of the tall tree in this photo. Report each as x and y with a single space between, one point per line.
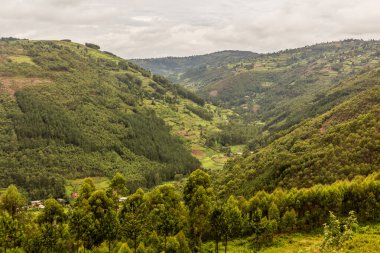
10 231
51 223
99 205
232 220
200 207
198 197
118 188
133 216
217 223
168 213
12 201
110 227
82 227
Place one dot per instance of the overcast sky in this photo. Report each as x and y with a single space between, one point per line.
155 28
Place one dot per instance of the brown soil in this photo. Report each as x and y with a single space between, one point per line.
10 85
213 93
255 108
198 153
325 124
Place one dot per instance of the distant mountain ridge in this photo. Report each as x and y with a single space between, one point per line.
171 67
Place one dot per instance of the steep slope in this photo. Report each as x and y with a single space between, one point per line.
281 89
69 111
339 144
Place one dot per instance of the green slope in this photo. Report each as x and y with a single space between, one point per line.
70 111
280 89
339 144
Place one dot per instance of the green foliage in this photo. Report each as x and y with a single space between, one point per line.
133 216
12 201
71 112
336 232
52 213
91 45
125 248
141 248
198 197
321 150
203 113
234 133
183 243
119 185
196 179
10 232
51 223
160 220
171 66
173 245
167 212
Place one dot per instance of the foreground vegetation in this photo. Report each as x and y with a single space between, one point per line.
171 221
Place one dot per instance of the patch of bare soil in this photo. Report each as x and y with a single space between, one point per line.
10 85
213 93
198 153
325 125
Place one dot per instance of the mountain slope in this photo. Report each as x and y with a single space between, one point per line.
342 143
70 111
185 69
282 89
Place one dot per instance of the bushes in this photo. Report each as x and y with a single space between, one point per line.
336 231
199 111
91 45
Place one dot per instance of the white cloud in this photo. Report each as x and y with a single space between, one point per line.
151 28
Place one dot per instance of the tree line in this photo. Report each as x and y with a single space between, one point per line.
166 219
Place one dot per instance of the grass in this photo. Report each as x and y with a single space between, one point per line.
295 243
21 59
237 148
366 239
74 185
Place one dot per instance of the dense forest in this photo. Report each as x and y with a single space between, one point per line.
167 220
339 144
70 111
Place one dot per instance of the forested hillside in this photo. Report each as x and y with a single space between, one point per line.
70 111
340 144
280 89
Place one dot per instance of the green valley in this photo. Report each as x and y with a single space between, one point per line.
280 89
279 153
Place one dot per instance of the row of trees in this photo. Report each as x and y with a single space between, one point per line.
166 220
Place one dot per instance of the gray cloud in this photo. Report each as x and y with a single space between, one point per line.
151 28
